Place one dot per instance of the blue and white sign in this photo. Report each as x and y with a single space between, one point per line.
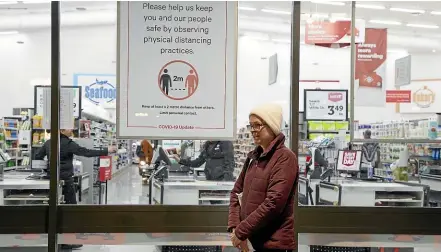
100 89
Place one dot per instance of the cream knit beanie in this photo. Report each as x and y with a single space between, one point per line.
271 114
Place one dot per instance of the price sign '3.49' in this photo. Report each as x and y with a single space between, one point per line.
335 109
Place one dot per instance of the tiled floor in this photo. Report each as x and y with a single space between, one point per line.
126 188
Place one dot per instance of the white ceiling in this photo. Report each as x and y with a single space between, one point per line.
36 14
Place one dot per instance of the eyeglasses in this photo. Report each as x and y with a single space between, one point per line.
256 126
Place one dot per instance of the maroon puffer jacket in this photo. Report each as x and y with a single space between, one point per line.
268 186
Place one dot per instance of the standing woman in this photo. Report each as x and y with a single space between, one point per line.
266 186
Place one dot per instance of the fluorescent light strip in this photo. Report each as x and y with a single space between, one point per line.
35 2
329 3
407 10
8 2
8 32
386 22
423 26
319 15
435 12
276 11
247 8
282 40
368 6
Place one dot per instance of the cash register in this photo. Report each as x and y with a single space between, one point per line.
40 165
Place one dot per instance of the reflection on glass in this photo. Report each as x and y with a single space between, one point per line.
34 242
394 99
204 242
368 243
29 48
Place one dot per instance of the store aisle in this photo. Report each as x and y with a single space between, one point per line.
126 188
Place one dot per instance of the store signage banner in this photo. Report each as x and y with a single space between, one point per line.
403 71
39 100
105 171
424 98
398 96
99 89
370 69
177 70
326 105
349 160
327 32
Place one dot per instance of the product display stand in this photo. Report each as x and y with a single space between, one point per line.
16 132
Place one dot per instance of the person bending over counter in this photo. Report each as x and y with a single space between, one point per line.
218 157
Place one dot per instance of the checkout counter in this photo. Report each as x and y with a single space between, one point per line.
170 185
352 192
32 186
343 186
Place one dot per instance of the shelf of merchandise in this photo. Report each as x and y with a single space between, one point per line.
15 142
103 132
243 144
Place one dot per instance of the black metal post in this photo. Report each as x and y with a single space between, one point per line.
55 127
295 77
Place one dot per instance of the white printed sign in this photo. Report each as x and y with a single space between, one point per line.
39 104
177 70
67 119
349 160
326 105
403 71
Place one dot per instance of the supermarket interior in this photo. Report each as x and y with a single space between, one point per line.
368 119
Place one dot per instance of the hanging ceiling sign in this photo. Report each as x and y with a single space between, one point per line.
99 89
337 32
326 105
39 99
403 71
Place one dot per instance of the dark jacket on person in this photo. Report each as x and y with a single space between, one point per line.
218 157
68 148
268 185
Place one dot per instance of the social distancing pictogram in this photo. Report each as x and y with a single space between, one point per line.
178 80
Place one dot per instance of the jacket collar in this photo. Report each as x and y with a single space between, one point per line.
259 152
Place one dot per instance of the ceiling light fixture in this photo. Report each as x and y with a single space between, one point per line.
368 6
398 51
435 12
423 26
8 2
434 51
247 8
276 11
329 3
35 2
282 40
319 15
8 32
386 22
408 10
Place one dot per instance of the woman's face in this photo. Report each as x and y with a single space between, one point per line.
262 134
